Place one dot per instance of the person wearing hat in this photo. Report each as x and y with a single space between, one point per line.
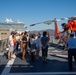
71 44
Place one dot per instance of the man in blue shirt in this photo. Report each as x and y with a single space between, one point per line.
71 43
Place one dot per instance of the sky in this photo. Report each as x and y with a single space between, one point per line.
34 11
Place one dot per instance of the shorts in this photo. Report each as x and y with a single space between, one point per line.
11 48
44 52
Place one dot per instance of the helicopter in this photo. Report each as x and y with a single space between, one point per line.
70 26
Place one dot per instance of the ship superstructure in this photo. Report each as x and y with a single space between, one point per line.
8 25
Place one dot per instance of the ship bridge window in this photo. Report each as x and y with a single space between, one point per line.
3 33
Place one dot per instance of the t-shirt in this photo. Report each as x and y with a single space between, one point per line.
14 40
38 42
32 41
71 42
11 40
44 41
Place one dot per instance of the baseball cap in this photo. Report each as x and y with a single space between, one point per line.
12 32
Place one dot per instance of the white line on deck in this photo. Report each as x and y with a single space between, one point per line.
8 66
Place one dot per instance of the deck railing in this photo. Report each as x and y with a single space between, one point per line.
3 44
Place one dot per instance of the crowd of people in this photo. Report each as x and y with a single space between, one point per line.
33 43
30 44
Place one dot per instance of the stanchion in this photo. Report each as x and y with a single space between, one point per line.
52 40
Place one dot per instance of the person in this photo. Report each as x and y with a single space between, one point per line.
38 45
24 45
71 43
44 42
32 47
11 45
28 43
17 41
21 42
14 40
